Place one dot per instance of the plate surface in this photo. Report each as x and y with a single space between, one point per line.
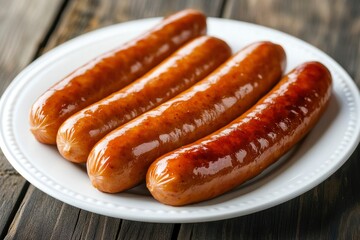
319 155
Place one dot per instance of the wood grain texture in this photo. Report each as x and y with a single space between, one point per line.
23 25
72 223
267 224
141 230
21 32
83 16
331 25
31 221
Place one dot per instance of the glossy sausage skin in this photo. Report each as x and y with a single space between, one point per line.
111 71
120 160
191 63
244 148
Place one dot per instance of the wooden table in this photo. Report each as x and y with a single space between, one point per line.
29 28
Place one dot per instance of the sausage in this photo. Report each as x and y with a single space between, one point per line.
178 72
111 71
241 150
120 160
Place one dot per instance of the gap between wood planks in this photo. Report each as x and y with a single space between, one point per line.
52 28
16 207
222 8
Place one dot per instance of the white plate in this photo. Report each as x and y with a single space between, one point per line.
323 151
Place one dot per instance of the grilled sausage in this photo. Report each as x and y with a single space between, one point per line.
120 160
79 133
111 71
244 148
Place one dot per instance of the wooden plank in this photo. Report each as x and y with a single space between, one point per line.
61 220
21 31
331 25
86 225
64 222
42 217
23 24
140 230
254 226
12 187
35 222
84 16
332 209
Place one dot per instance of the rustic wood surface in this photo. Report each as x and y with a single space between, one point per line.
28 28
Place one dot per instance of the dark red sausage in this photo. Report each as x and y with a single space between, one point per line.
120 160
111 72
191 63
244 148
